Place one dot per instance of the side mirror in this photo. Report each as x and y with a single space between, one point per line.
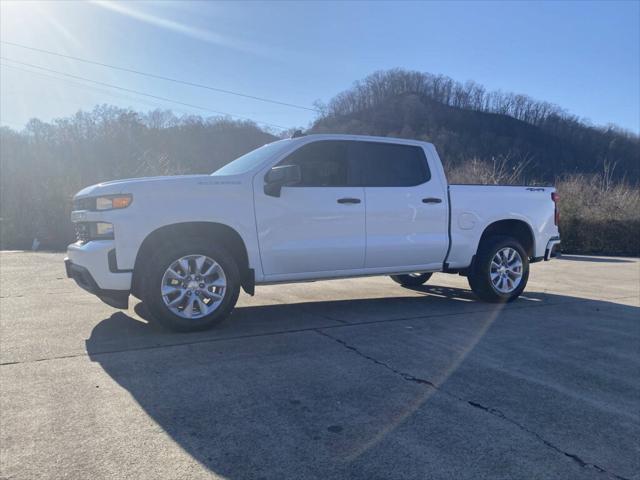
281 176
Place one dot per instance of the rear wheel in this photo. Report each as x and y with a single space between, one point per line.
191 287
500 270
412 279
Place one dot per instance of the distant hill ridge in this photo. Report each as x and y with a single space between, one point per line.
466 121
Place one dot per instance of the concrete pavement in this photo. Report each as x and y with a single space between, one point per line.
341 379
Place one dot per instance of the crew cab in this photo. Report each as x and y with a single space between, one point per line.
309 208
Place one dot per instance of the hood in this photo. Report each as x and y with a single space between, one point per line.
134 185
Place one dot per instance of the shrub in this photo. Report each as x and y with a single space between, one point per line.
597 216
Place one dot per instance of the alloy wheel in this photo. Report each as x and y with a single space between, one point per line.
506 270
193 286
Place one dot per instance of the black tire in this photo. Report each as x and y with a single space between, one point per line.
160 262
479 276
412 279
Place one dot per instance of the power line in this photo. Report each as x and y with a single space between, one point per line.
89 87
103 91
162 77
137 92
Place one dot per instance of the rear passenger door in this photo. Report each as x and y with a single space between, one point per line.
406 211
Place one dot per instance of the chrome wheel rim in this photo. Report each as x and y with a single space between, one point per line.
506 270
416 275
193 286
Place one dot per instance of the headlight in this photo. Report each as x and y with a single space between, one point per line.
113 202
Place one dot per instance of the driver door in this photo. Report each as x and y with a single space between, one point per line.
317 225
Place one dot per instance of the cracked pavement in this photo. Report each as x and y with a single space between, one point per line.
356 378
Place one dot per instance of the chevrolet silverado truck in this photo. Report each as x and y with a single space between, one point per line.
309 208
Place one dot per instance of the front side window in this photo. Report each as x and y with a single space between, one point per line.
322 164
390 165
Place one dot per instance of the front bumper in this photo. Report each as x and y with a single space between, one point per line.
88 264
553 249
82 276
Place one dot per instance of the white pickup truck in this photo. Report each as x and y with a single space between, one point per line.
307 208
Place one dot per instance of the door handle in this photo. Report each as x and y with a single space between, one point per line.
431 200
348 200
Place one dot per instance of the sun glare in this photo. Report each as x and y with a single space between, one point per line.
35 21
22 14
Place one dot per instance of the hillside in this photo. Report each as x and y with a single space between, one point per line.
466 122
46 163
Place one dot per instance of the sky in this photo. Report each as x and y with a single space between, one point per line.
583 56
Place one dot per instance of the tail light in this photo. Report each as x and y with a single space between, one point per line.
556 214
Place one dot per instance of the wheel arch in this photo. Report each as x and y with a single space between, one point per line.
518 229
219 233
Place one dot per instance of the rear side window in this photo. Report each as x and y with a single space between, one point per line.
322 164
390 165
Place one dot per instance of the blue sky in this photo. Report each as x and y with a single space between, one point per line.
583 56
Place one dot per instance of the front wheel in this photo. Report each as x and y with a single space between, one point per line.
191 287
412 279
500 270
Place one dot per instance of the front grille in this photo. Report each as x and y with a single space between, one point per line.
84 203
83 232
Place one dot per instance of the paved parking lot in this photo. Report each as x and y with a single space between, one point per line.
343 379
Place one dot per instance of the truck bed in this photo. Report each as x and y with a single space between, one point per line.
472 207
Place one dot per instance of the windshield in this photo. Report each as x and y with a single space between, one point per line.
250 160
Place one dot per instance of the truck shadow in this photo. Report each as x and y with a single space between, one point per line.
286 402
